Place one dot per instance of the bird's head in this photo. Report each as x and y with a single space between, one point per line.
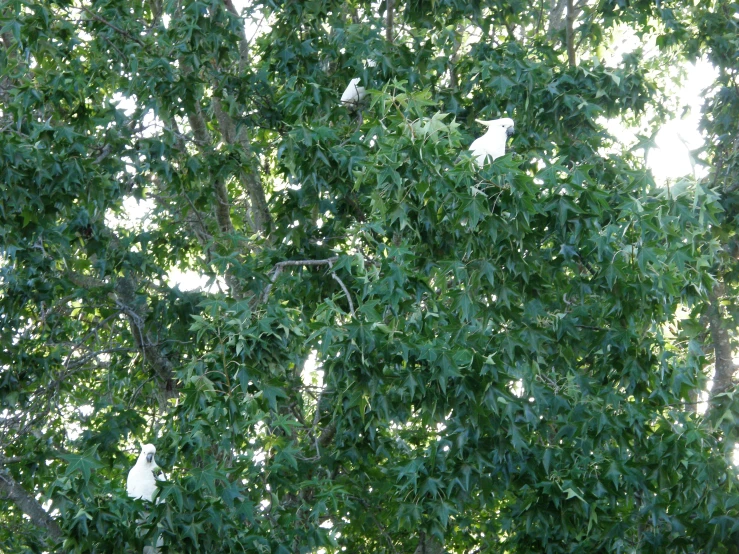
148 451
504 124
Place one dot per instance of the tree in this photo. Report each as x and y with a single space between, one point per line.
506 364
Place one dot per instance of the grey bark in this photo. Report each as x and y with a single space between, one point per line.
389 17
557 15
725 368
136 313
243 43
250 178
10 489
570 34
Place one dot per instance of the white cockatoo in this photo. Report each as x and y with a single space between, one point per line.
493 142
353 94
142 482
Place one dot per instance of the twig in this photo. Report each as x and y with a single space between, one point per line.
346 291
104 154
110 43
360 120
278 267
109 24
11 460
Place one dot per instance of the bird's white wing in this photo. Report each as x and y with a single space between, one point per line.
141 483
353 94
490 144
478 151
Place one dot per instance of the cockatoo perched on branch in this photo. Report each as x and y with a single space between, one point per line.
353 94
493 142
142 483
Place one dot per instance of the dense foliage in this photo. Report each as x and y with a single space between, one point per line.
508 358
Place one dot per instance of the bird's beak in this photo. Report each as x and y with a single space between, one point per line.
510 131
149 457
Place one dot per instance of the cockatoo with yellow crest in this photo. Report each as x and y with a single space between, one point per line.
492 144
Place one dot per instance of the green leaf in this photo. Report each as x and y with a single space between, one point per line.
83 463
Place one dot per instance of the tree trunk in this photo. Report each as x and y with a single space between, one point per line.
723 378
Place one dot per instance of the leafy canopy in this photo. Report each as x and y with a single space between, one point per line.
509 357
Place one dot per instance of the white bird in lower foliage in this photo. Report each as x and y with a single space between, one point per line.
353 94
493 142
141 481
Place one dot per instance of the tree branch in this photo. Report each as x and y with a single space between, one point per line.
279 266
346 292
250 179
222 208
556 16
162 367
29 506
454 58
723 378
327 435
243 43
570 23
11 460
389 17
109 24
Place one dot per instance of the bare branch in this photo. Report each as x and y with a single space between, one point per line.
570 23
279 266
11 460
346 292
389 16
29 506
104 154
